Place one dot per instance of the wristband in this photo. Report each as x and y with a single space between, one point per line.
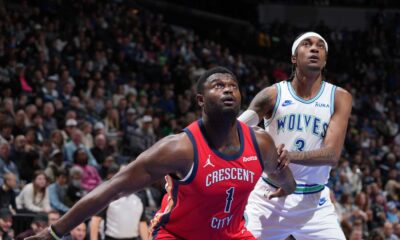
53 233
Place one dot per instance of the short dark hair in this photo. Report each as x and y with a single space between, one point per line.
203 78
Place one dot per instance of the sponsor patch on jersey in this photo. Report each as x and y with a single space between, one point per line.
323 105
249 159
287 103
322 201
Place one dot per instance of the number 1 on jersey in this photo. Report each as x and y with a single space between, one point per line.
229 199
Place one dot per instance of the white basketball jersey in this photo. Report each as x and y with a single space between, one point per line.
301 125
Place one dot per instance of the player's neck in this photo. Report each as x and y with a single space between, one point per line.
220 131
307 85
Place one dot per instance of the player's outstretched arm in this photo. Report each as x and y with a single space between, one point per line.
282 178
173 154
329 154
261 105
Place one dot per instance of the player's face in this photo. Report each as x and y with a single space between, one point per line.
221 95
311 53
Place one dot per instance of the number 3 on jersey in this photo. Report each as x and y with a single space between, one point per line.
299 144
229 199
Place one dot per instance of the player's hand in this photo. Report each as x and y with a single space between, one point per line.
43 235
283 159
278 193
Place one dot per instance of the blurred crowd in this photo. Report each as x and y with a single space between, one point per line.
86 86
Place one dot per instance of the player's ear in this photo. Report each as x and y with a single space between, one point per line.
200 99
294 59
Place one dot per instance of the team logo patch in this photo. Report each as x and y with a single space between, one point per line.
287 103
208 162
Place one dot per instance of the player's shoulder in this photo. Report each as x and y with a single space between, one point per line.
177 144
261 135
342 94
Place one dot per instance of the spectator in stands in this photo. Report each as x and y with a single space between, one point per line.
55 165
30 165
19 127
7 194
87 138
34 196
75 190
78 233
6 222
70 126
18 151
396 228
388 231
101 150
6 129
90 176
31 141
39 128
73 145
39 223
392 213
108 163
112 124
49 121
49 92
6 165
143 137
53 217
57 140
124 218
57 192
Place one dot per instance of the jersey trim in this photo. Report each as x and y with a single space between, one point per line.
224 156
256 147
164 218
193 170
293 93
278 99
300 188
333 92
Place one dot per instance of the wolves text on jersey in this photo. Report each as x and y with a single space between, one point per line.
302 123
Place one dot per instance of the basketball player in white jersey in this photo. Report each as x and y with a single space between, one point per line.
309 116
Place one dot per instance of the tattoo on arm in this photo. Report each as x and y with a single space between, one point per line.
262 103
323 156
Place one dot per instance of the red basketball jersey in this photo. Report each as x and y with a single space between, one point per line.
209 203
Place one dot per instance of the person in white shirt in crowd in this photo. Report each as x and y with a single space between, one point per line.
123 218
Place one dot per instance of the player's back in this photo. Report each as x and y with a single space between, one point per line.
210 201
301 125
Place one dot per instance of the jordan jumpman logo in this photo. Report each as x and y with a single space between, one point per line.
208 162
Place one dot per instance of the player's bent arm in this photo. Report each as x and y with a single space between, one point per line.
173 154
94 227
261 105
283 178
143 230
329 154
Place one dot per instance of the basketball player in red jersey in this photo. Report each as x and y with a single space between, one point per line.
212 167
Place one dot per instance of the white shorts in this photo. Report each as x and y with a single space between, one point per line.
305 216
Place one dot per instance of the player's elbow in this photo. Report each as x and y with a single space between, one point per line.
334 159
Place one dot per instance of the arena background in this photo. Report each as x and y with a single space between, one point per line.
123 72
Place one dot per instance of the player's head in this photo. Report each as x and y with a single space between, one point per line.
309 50
218 92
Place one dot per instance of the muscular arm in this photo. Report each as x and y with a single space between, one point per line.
172 154
261 106
94 227
329 154
283 178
